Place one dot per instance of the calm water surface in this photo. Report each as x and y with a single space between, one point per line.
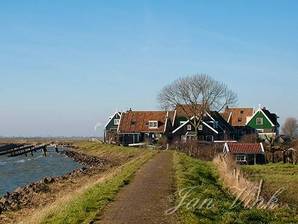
21 170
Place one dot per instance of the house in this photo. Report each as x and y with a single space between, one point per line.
213 126
238 118
144 126
246 153
249 121
110 130
265 123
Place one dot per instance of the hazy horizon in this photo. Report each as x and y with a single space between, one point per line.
67 66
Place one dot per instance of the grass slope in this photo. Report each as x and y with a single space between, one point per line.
276 176
111 152
84 207
202 175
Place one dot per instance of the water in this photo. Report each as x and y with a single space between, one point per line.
21 170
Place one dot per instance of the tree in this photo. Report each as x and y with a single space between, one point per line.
290 127
197 94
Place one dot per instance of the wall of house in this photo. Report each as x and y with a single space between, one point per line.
204 135
111 124
111 135
260 158
266 123
133 138
126 139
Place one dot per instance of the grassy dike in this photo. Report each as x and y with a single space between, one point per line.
83 206
276 176
204 178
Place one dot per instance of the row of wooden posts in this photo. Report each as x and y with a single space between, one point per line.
17 150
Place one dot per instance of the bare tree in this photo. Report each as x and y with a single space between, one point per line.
290 127
200 93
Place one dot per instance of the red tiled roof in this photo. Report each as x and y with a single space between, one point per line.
138 121
247 148
237 117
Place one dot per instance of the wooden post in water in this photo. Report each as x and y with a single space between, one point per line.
45 150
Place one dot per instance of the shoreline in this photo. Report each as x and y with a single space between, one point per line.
22 197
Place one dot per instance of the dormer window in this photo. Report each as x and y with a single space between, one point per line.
116 121
153 124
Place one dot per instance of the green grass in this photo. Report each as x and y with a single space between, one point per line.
276 176
83 208
203 175
111 152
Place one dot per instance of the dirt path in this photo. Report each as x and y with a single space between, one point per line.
147 197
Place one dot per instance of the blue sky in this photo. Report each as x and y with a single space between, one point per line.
66 65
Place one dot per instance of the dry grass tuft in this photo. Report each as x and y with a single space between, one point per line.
244 190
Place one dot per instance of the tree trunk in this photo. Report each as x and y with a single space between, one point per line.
196 129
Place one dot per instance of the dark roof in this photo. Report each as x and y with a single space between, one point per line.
138 121
273 117
222 122
245 148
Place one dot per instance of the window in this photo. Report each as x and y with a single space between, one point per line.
116 121
189 127
200 128
259 121
209 138
215 124
241 158
153 124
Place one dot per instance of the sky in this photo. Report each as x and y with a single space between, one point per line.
66 65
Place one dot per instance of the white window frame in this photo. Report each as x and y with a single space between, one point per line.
116 121
244 158
153 124
200 128
260 119
188 127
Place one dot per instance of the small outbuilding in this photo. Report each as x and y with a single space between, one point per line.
246 153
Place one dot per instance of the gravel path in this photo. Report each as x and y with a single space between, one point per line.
147 197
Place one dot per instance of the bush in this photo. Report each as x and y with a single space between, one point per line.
201 150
